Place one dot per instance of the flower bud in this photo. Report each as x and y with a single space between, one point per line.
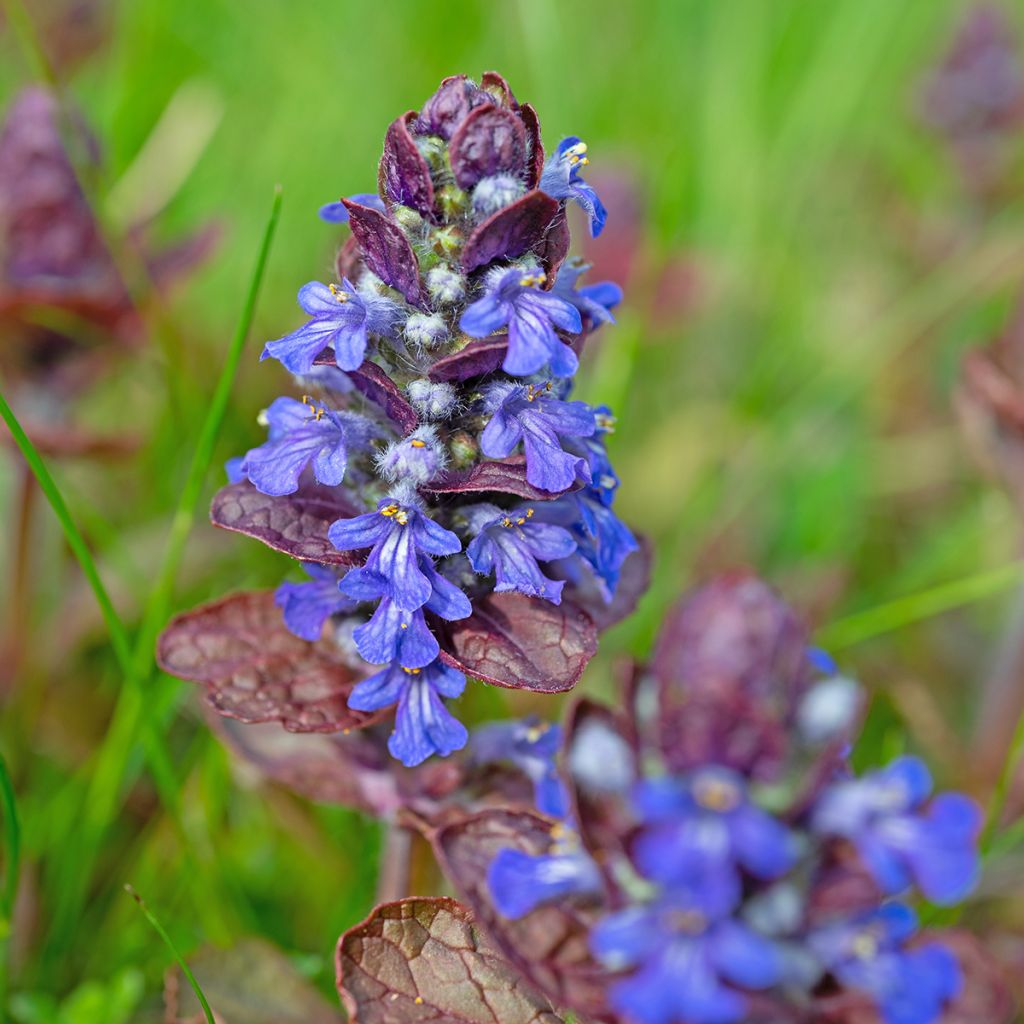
464 449
426 330
408 219
418 457
495 193
432 401
446 286
447 241
828 709
452 201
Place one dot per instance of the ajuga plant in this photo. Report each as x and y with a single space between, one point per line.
450 500
702 853
65 310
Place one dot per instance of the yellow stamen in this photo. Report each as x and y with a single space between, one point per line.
412 671
865 946
716 794
577 155
338 293
533 278
417 443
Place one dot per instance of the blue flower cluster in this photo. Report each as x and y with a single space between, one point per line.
721 898
446 346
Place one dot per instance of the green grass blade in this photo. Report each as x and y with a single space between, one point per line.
184 516
12 842
904 611
997 802
131 715
185 969
118 634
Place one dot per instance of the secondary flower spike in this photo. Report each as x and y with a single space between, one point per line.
432 466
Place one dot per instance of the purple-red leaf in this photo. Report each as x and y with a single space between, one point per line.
731 666
454 99
404 176
634 579
549 945
385 250
505 477
255 670
422 961
554 247
492 140
296 523
353 770
520 642
349 261
476 359
370 380
494 82
510 232
532 125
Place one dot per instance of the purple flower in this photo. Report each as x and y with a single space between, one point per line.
512 297
302 433
529 414
337 213
342 318
532 746
307 606
397 533
902 841
594 301
510 545
686 954
418 457
423 725
707 822
605 480
399 634
520 882
603 541
869 955
561 180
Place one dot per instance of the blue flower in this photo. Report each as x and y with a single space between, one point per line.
301 433
531 415
706 821
423 725
520 882
605 480
532 746
603 541
902 841
510 544
686 952
397 533
561 179
342 318
337 213
307 606
869 955
512 297
595 301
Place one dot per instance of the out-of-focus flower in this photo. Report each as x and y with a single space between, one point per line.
562 180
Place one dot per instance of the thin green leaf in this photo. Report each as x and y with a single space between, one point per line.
904 611
185 969
118 634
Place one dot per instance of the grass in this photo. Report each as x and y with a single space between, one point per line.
806 270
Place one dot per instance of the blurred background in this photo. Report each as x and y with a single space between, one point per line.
816 211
